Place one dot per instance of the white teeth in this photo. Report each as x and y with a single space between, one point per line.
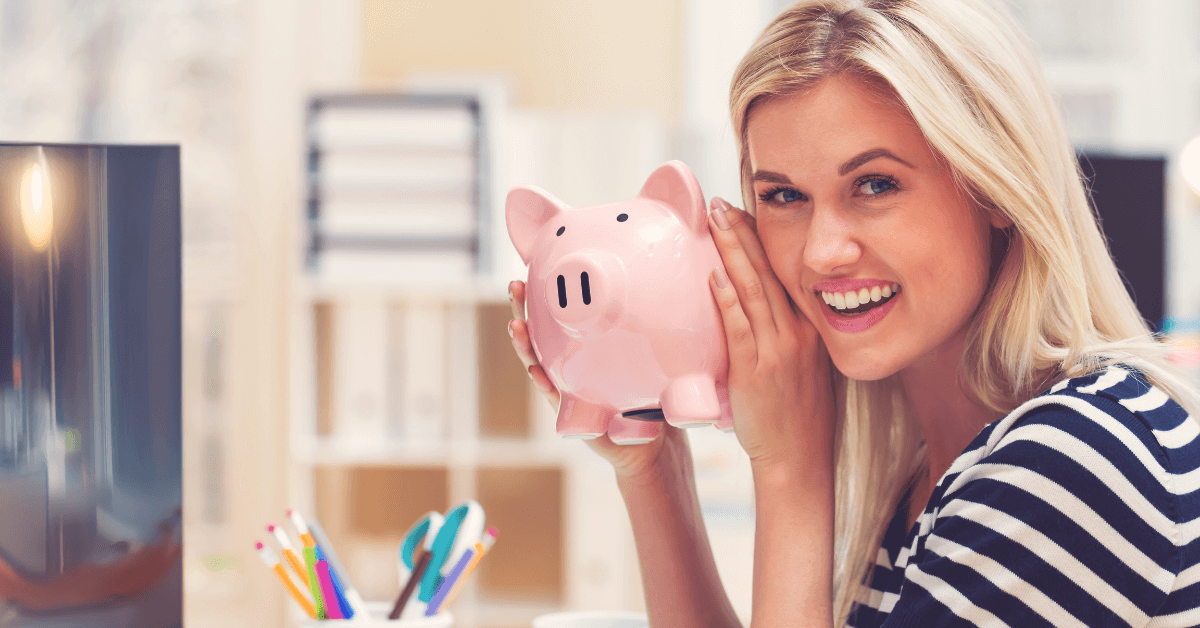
852 299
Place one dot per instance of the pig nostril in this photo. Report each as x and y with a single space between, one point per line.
562 291
587 290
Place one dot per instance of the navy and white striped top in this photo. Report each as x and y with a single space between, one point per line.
1079 508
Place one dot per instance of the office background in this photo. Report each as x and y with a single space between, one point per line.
289 372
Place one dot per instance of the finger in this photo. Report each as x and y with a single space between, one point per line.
520 339
752 222
739 336
750 219
516 299
746 228
746 280
543 383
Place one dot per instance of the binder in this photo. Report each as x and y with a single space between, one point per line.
425 401
395 188
359 371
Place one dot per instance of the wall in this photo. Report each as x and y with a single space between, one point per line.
591 56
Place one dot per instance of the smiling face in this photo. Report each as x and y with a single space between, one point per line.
851 202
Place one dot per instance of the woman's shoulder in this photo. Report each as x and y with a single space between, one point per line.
1115 410
1084 502
1080 507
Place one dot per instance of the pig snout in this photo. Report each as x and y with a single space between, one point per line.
585 291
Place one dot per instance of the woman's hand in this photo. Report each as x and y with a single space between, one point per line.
629 461
780 389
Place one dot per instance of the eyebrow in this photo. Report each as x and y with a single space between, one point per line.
849 166
866 156
770 177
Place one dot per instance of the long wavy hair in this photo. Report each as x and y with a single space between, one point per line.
1056 306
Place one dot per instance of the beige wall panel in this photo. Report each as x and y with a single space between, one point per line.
592 56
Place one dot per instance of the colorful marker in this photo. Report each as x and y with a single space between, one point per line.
272 561
331 608
351 594
310 558
481 549
306 537
289 552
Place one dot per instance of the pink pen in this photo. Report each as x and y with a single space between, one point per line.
327 591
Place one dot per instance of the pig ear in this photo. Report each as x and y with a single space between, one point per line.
526 210
674 184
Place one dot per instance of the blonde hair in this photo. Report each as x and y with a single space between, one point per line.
1056 306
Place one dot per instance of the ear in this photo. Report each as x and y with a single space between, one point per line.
998 219
526 210
675 185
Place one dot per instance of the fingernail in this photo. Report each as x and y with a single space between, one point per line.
510 294
720 278
510 329
718 214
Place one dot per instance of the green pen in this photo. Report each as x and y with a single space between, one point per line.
310 558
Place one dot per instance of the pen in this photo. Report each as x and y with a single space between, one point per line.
331 608
301 528
448 582
353 598
289 552
413 579
339 589
272 561
310 558
482 548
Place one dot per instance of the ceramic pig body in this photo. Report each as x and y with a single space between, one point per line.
619 310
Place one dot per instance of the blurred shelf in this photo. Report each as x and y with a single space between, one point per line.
335 451
481 289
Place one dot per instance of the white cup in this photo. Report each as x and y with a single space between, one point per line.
378 612
592 619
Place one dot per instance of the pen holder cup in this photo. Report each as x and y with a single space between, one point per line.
378 613
592 619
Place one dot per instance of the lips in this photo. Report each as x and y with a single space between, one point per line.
856 324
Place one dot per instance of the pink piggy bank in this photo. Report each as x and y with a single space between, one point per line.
619 309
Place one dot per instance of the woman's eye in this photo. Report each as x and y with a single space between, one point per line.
781 196
876 186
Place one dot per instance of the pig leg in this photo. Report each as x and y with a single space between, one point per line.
691 401
725 423
626 431
580 419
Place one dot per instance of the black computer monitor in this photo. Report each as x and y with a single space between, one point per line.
90 384
1128 195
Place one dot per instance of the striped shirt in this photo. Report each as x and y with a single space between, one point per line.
1079 508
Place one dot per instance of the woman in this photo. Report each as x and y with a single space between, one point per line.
953 411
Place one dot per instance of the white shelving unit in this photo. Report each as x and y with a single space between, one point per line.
554 502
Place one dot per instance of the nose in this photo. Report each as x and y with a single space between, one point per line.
585 291
832 241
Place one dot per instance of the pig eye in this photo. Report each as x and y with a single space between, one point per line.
560 231
622 217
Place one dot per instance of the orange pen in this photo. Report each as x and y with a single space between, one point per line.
272 561
289 552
